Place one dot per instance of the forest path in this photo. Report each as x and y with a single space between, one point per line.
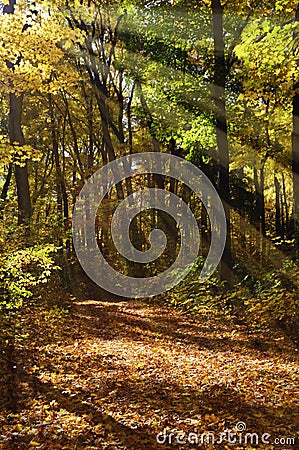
112 375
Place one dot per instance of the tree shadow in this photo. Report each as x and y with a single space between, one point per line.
100 320
143 391
223 404
74 402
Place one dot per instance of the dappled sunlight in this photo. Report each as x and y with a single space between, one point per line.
124 371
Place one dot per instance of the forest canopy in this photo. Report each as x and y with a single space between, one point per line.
85 83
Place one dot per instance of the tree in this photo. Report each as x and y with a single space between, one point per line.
219 82
16 136
295 141
31 55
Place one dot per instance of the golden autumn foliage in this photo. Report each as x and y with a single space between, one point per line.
32 50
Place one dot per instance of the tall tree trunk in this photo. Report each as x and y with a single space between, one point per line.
257 210
277 207
295 152
21 173
129 119
103 109
75 139
62 198
286 206
16 135
259 213
220 74
262 194
282 228
263 212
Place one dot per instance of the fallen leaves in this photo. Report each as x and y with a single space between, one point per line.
114 375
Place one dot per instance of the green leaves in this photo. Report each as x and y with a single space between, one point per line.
21 271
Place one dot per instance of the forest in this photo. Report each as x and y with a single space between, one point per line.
149 224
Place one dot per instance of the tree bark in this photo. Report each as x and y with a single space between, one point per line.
16 135
101 101
295 154
277 207
220 75
259 183
62 198
21 173
286 206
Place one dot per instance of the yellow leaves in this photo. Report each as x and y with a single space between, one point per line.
23 153
269 66
286 5
17 153
99 429
6 151
36 53
34 443
80 407
18 427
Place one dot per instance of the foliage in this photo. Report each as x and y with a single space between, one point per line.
275 299
14 153
117 373
193 296
31 50
22 271
103 79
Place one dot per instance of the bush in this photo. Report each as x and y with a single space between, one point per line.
21 272
275 300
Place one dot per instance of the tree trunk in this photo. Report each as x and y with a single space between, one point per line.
277 207
282 228
220 74
16 135
259 213
262 200
101 102
257 210
286 206
62 198
295 153
21 173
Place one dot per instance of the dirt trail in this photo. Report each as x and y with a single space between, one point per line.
113 375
